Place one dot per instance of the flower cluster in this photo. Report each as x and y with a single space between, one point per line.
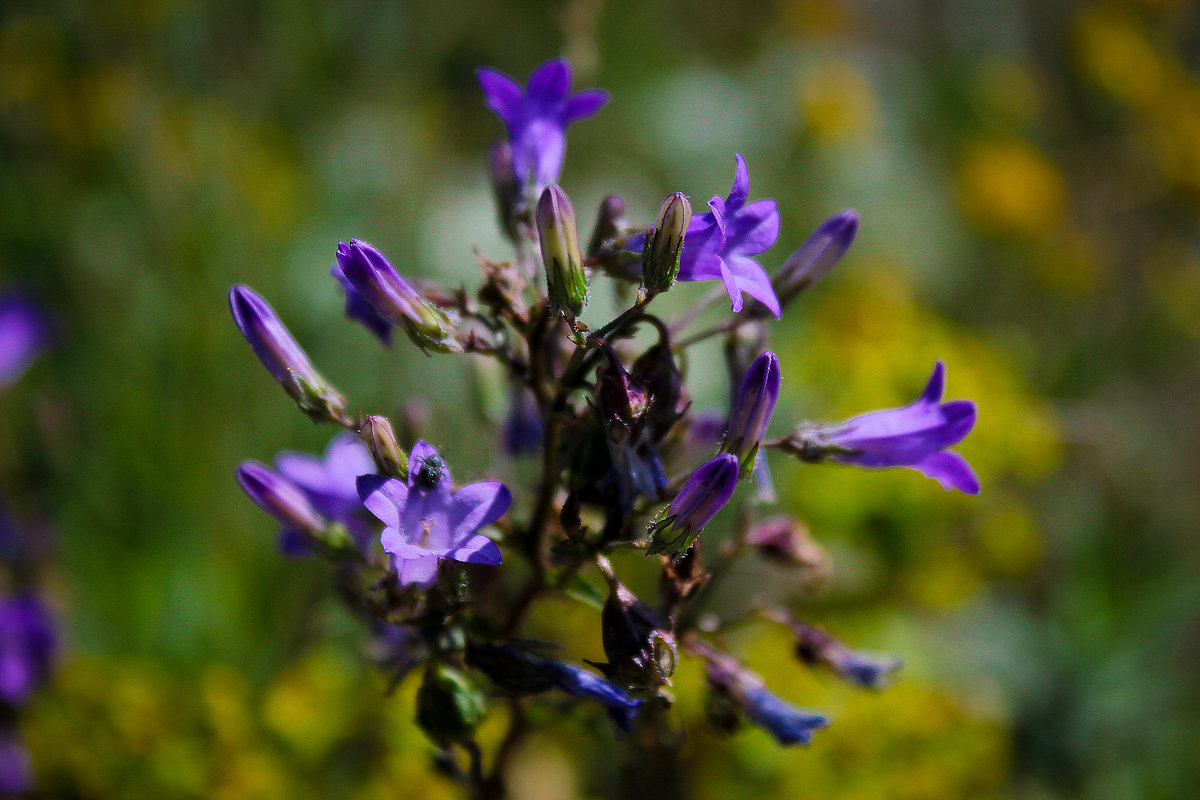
626 462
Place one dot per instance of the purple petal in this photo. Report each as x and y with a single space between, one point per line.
754 281
583 104
502 95
422 451
24 334
936 386
386 498
731 285
477 549
476 505
399 547
549 85
950 470
754 229
419 572
741 185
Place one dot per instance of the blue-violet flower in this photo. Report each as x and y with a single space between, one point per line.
26 646
24 334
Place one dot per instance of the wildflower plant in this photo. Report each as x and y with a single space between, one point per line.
448 572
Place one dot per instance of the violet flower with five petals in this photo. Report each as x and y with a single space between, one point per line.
538 116
426 523
914 436
721 244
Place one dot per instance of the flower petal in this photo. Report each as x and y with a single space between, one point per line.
502 95
476 505
549 85
754 229
753 280
419 572
476 549
741 185
950 470
386 498
937 384
583 104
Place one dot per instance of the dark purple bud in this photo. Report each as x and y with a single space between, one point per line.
357 308
389 459
656 370
279 497
369 271
664 244
449 706
640 650
620 401
27 644
816 646
513 669
786 541
506 189
283 358
753 404
704 494
610 221
566 281
813 259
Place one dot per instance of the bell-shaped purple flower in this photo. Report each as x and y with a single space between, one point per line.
26 646
24 334
753 405
704 493
578 682
537 117
329 481
286 502
730 679
358 309
378 282
284 359
425 522
721 244
914 436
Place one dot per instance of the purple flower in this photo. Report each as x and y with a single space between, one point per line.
753 404
788 724
357 308
915 436
329 481
425 523
720 245
283 357
26 646
816 646
24 334
286 502
537 118
705 493
578 682
813 259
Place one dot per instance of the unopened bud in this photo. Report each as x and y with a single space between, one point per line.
279 497
449 706
389 459
283 358
813 259
369 271
566 280
753 405
705 493
610 221
664 244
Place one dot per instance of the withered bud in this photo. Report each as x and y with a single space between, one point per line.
640 650
786 541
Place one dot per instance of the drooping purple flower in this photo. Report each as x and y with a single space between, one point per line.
537 117
753 405
26 646
329 481
426 523
721 244
915 436
24 335
730 679
817 646
704 493
357 308
578 682
381 285
286 502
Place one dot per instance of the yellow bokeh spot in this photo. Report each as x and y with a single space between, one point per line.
1114 52
1008 187
837 101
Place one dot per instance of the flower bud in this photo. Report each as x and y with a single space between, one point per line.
610 220
505 187
786 541
448 705
753 404
816 646
737 687
640 651
621 402
656 370
664 244
279 497
369 271
813 259
704 494
283 358
512 668
566 280
389 459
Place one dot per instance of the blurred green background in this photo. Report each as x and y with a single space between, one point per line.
1028 178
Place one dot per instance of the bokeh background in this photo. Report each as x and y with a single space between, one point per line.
1028 178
